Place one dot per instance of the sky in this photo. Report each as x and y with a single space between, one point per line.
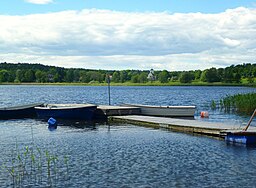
173 35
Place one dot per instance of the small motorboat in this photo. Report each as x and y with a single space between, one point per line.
165 111
66 111
19 112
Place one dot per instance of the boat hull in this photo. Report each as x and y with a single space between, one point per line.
248 138
18 112
83 112
166 111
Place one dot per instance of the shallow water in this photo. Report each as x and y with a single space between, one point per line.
130 156
123 155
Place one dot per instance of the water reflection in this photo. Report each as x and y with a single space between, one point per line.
77 124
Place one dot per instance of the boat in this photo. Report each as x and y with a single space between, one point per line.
19 112
241 137
165 111
66 111
244 136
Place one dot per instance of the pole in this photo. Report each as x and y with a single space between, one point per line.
108 77
254 113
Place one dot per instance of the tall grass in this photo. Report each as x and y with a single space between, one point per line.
35 167
240 103
32 166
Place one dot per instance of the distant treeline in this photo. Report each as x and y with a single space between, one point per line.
28 73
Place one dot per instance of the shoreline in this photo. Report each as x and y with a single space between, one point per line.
137 84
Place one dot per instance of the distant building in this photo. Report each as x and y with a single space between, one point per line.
50 78
151 75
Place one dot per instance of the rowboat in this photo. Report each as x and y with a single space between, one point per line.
165 111
19 112
66 111
242 137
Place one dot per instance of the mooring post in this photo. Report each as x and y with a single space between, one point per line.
108 79
254 113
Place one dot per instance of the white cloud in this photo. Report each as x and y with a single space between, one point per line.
39 1
103 39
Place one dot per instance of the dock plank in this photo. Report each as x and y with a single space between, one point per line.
182 125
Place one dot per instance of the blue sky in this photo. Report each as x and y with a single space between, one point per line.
115 34
20 7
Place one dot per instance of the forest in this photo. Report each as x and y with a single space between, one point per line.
38 73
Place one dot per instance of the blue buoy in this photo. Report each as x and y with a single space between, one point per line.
52 124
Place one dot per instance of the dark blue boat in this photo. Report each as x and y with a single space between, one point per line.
18 112
66 111
244 136
241 137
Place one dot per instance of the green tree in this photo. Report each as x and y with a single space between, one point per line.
163 76
69 77
186 77
203 76
116 77
23 72
29 76
4 76
210 75
76 75
19 76
143 77
220 72
237 77
197 74
123 76
84 77
38 75
96 76
135 78
228 75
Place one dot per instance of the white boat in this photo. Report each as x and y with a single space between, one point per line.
165 111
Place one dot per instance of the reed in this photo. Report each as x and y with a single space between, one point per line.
240 103
32 165
213 105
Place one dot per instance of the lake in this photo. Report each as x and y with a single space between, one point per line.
122 155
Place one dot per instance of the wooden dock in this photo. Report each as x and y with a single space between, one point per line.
215 129
104 111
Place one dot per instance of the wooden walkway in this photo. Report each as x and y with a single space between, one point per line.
103 111
182 125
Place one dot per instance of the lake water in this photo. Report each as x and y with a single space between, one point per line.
121 155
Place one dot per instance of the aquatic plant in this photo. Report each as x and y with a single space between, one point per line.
240 103
213 105
33 165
